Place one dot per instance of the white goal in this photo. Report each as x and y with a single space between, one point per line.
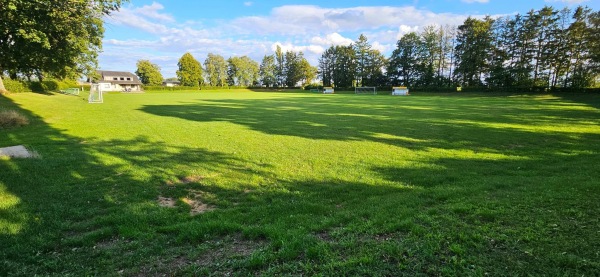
365 90
95 94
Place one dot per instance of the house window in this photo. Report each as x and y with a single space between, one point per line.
122 78
115 78
128 79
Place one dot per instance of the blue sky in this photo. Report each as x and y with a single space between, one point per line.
163 30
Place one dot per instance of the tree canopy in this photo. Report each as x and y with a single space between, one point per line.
51 38
149 73
216 70
190 71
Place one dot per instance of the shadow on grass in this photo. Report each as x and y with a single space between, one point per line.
499 124
90 207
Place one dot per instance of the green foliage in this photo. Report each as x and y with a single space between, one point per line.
473 46
242 71
338 66
58 38
15 86
165 88
216 70
268 71
190 71
149 73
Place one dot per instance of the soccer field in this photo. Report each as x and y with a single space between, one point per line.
273 183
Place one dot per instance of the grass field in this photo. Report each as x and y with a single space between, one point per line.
247 183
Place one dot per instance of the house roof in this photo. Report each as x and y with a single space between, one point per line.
134 79
121 82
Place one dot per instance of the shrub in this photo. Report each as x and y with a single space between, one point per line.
36 87
10 118
52 85
14 86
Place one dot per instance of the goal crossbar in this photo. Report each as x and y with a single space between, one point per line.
365 90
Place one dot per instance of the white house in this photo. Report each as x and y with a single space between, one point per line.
118 81
171 83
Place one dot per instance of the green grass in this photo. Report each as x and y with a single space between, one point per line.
303 184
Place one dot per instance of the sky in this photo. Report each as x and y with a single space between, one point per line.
163 30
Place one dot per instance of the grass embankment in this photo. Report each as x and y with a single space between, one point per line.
299 183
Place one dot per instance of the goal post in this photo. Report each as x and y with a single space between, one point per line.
95 94
365 90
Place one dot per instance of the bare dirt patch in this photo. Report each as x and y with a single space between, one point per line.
196 206
186 180
194 202
166 202
229 248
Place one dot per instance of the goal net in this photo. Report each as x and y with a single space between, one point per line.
95 94
365 90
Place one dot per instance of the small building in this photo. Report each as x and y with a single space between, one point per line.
119 81
328 90
400 91
171 83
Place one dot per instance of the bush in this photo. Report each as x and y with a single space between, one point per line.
52 85
15 86
36 87
10 118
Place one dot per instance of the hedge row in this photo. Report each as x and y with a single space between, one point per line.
474 89
17 86
180 88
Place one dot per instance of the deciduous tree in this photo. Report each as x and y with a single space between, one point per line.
216 70
149 73
48 37
190 71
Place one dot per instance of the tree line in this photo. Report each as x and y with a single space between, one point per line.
289 69
547 48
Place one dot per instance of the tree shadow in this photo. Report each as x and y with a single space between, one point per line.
90 207
496 125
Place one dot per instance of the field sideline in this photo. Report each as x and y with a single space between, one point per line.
298 183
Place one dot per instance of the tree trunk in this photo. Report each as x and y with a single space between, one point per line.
2 88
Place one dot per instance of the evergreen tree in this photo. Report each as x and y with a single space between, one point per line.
268 71
280 67
406 64
473 48
345 66
362 50
327 66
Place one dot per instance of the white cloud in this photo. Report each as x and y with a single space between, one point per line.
331 39
310 29
306 19
152 11
248 4
475 1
